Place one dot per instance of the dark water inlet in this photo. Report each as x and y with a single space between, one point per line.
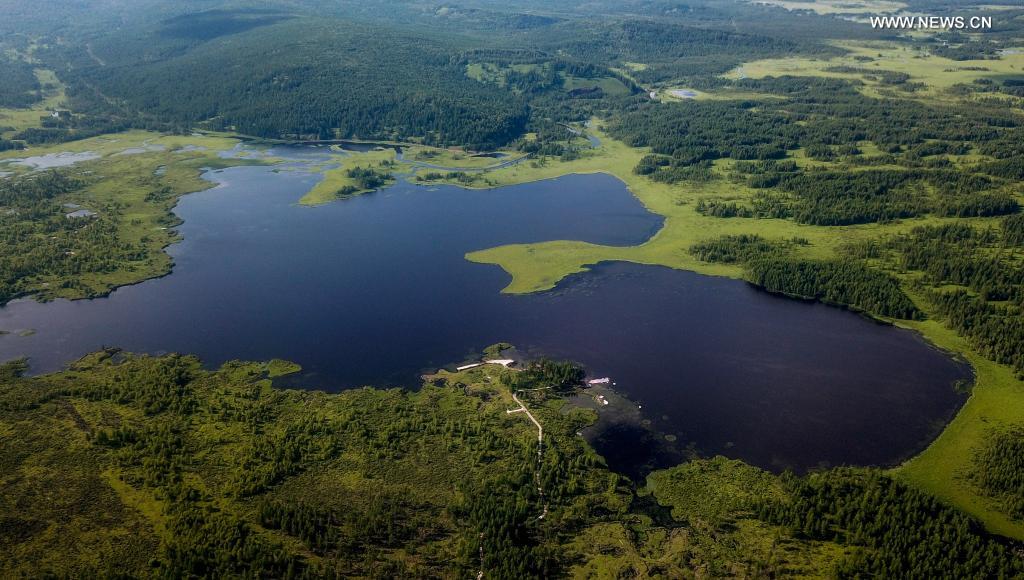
374 290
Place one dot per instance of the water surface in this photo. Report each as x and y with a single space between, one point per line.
54 160
683 93
375 290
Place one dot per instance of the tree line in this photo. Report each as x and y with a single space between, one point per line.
972 278
998 469
20 88
903 533
771 265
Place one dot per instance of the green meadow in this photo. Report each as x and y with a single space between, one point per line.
863 60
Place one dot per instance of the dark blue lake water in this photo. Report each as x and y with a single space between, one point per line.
375 290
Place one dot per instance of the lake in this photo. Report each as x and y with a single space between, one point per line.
375 290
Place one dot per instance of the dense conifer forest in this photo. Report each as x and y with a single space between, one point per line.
332 81
20 87
216 69
910 535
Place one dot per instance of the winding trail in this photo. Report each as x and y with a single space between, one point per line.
540 452
540 449
522 409
92 55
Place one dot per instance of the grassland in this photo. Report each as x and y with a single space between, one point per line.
938 74
417 159
608 85
487 72
452 158
53 94
336 179
15 120
839 7
198 145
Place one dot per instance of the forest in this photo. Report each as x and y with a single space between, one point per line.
824 118
836 282
39 240
367 178
671 50
998 468
338 81
335 78
910 535
20 87
217 473
970 276
771 266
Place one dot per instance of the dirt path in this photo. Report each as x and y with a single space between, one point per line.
540 449
522 409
